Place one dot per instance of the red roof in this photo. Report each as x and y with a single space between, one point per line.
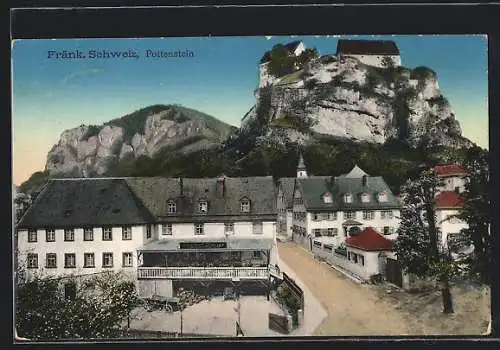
449 170
448 199
369 240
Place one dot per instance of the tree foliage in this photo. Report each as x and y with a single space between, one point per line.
98 309
306 56
418 248
281 62
476 212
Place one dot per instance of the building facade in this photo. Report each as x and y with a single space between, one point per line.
160 231
334 207
371 52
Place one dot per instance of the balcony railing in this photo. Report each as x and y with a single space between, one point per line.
220 273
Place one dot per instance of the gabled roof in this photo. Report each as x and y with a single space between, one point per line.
448 200
314 187
369 240
155 193
355 172
287 186
449 170
367 47
82 202
291 47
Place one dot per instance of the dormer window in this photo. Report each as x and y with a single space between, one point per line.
327 197
171 207
245 205
203 206
365 197
347 198
382 197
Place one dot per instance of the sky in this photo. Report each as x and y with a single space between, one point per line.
218 77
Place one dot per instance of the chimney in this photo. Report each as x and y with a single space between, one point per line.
221 185
181 187
364 180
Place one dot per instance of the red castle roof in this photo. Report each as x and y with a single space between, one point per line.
369 240
449 170
448 200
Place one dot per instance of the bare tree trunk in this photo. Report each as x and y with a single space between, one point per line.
447 300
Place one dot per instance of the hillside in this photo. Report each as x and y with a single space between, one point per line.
342 97
94 150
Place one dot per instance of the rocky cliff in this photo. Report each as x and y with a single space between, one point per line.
92 150
346 98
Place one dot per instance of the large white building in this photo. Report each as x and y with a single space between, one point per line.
370 52
160 231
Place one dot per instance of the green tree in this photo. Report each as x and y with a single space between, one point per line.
98 309
306 56
417 247
281 62
476 212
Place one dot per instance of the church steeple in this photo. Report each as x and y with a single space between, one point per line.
301 167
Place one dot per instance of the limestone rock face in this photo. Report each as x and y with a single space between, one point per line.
91 150
346 98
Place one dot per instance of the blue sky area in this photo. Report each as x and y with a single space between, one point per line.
51 95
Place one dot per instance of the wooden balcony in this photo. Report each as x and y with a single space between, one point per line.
213 273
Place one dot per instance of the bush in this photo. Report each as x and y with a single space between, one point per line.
422 73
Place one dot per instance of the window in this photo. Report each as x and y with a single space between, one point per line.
317 244
327 198
32 236
69 260
107 259
257 228
166 229
362 260
203 206
245 205
457 189
382 197
386 214
257 254
228 227
88 234
198 229
88 260
69 235
368 215
126 233
328 247
107 234
315 216
171 207
365 197
332 216
349 215
354 258
332 231
32 262
127 260
347 198
50 235
148 231
317 232
51 260
387 230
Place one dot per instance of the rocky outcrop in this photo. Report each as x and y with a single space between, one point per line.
91 150
346 98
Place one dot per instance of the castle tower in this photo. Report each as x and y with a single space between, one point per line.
301 167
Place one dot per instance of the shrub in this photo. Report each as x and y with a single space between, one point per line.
421 73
